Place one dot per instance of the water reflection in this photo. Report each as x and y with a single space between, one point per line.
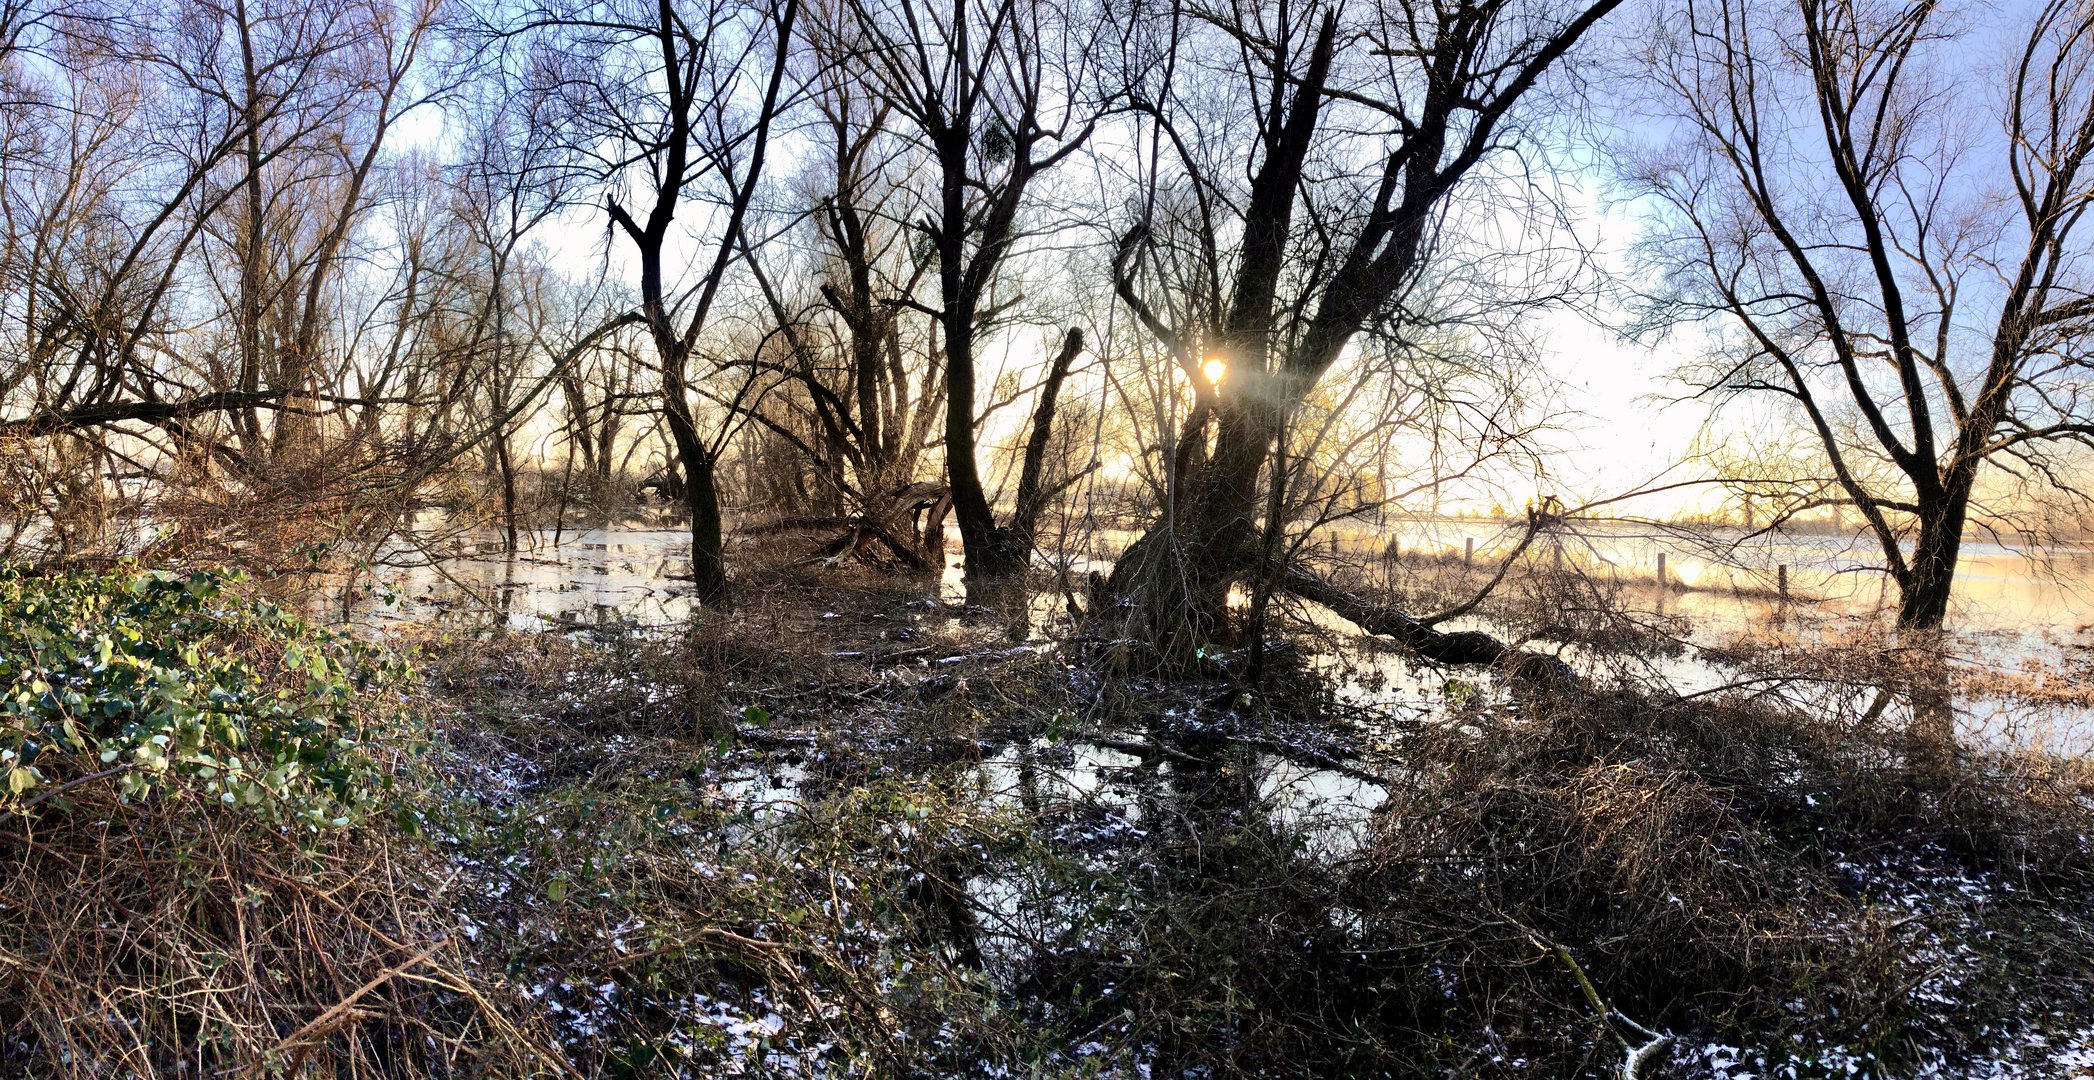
610 577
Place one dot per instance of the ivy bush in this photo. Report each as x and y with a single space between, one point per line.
163 682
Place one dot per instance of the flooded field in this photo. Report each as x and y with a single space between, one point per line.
636 570
2021 615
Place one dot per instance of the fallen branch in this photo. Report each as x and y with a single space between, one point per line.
320 1025
1141 748
54 421
1460 647
1306 756
1636 1056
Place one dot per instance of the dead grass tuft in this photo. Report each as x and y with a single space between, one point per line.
179 938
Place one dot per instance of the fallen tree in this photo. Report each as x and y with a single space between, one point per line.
108 414
911 528
1473 648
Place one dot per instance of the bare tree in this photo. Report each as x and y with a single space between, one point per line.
1391 105
316 97
188 190
600 394
1912 283
866 360
673 106
996 93
497 201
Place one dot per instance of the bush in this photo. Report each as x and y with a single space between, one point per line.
194 880
157 680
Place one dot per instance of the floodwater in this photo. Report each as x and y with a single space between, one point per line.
1998 588
1722 576
2025 612
616 576
2018 612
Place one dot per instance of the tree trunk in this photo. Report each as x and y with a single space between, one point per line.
701 492
1923 603
1177 576
1923 594
250 329
506 463
708 551
988 564
1021 536
998 556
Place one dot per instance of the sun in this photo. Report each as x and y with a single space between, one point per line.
1215 369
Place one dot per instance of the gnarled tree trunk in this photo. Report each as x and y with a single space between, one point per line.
1175 580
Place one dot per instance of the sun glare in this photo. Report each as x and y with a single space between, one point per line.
1215 369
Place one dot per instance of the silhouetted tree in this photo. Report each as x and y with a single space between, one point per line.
1913 286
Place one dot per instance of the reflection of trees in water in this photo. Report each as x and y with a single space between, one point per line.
1184 878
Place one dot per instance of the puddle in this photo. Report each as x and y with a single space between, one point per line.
1031 773
1329 809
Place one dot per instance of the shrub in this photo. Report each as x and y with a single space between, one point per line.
193 880
157 680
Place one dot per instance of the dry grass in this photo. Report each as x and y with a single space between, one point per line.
176 938
1735 869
